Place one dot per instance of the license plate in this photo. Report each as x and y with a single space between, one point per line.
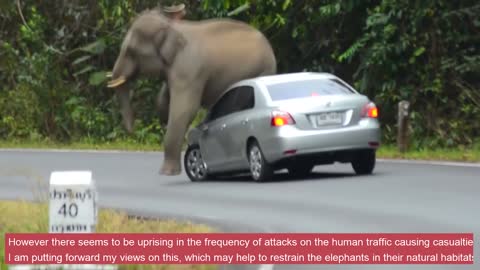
330 118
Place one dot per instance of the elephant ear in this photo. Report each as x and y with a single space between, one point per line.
169 43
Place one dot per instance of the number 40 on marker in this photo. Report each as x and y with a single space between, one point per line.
72 210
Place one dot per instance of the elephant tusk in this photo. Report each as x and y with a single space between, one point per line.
109 75
116 82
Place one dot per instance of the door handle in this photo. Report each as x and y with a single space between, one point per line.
244 122
223 126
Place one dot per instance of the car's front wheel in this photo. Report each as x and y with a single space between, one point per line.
259 168
195 166
364 161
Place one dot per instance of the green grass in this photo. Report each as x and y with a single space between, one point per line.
468 154
27 217
126 145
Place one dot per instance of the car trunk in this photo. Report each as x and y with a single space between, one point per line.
326 111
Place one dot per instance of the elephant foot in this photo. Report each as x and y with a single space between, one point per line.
170 169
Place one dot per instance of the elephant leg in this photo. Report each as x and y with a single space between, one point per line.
185 101
163 103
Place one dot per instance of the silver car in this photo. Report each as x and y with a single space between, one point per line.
288 121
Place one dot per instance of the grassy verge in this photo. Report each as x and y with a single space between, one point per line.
471 154
126 145
457 154
23 217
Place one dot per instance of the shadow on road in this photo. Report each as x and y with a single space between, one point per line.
285 177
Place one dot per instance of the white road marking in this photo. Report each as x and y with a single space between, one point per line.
266 267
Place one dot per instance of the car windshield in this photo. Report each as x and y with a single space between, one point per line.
308 88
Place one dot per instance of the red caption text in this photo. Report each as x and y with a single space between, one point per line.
225 248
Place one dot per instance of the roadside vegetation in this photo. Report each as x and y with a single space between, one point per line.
27 217
460 153
54 56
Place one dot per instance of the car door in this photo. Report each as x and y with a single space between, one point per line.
213 142
238 129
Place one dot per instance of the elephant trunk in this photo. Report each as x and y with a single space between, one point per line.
123 71
123 96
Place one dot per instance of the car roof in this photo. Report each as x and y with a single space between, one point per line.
278 78
285 77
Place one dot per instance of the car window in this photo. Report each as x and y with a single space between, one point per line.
237 99
308 88
244 98
223 106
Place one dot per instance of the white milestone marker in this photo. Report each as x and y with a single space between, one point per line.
73 209
73 202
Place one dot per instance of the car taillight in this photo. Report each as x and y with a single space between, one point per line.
370 110
280 118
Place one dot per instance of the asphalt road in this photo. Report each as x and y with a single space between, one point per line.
400 197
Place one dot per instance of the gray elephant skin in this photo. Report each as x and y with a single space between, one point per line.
198 60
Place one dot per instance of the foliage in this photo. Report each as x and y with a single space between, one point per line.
54 58
423 52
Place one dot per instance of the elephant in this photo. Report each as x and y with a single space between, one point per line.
199 60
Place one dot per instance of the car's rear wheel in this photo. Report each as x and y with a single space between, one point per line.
299 170
259 168
364 161
195 166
